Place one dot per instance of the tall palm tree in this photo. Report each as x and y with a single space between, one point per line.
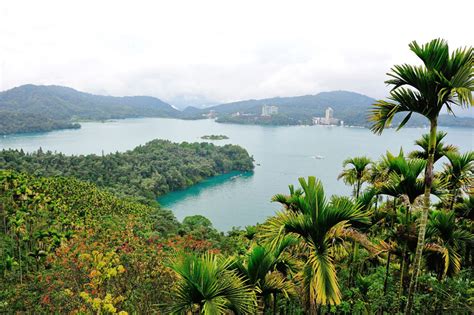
404 182
459 174
444 80
207 286
319 224
441 149
357 173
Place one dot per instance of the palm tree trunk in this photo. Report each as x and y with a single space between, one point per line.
453 199
424 216
275 304
405 256
19 261
402 275
387 272
352 259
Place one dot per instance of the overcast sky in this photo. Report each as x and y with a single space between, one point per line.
219 50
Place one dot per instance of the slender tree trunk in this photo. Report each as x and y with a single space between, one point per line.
424 216
405 256
387 272
275 303
19 261
352 259
402 275
453 199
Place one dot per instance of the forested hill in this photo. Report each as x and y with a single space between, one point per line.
145 172
352 108
340 101
31 108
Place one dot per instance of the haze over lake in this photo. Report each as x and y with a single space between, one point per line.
282 154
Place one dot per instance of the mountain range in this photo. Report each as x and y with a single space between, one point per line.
34 108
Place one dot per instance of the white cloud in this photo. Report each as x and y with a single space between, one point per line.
221 50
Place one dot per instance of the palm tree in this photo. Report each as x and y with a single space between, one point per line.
458 174
444 80
319 224
444 243
207 286
465 209
266 270
404 182
357 174
440 150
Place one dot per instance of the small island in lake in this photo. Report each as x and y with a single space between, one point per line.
214 137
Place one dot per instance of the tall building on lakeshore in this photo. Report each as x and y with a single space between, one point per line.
328 118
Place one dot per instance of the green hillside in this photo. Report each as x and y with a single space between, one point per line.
32 108
352 108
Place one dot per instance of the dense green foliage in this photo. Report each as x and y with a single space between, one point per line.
67 246
11 122
274 120
31 108
147 171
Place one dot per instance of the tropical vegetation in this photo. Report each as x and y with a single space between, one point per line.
147 171
81 235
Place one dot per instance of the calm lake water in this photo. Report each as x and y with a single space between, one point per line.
283 155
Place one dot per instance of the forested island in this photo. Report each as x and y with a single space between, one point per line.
147 171
214 137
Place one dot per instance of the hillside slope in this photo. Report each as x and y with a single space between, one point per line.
31 108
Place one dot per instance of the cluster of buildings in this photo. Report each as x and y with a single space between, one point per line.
269 110
328 119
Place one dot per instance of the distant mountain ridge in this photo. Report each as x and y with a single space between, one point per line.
351 107
30 108
305 107
35 108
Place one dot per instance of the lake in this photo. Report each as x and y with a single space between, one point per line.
282 154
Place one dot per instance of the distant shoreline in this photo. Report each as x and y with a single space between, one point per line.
78 122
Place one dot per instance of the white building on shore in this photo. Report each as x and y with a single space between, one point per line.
269 110
328 118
